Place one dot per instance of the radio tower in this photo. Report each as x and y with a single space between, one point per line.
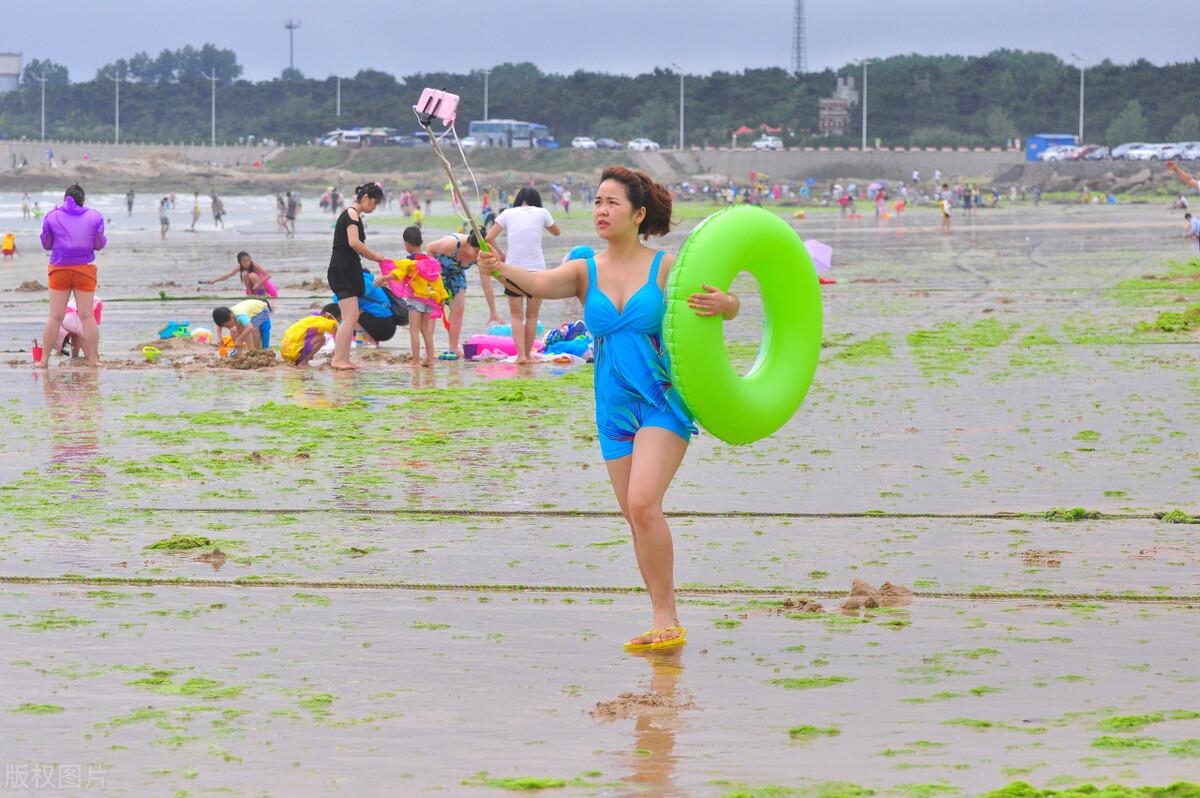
799 41
292 26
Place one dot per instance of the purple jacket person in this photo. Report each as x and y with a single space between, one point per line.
73 233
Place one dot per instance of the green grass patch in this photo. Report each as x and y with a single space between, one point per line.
37 709
810 682
955 347
810 732
1070 514
181 543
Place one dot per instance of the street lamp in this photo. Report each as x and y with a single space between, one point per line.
864 63
679 69
42 78
486 71
213 129
1080 60
116 78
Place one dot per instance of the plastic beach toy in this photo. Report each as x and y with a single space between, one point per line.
151 353
736 408
174 329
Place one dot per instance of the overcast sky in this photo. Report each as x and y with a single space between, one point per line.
629 36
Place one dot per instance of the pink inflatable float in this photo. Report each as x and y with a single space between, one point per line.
72 325
485 345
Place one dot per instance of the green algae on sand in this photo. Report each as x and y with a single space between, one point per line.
181 543
805 732
810 682
37 709
1020 789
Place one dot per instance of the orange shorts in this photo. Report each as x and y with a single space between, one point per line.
79 278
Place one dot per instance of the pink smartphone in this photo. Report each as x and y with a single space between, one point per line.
436 104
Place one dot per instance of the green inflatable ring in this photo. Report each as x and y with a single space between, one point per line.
734 408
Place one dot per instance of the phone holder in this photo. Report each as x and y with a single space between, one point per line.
436 104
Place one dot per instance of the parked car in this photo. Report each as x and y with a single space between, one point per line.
1084 153
1058 152
583 143
1097 153
1121 150
468 141
1168 151
768 143
609 144
409 141
1191 152
643 145
1144 152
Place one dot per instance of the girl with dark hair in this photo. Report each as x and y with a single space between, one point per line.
642 424
73 234
523 225
255 279
345 275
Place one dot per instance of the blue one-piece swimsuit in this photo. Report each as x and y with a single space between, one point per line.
633 374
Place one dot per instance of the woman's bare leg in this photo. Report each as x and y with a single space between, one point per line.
58 311
532 308
458 306
657 454
516 313
345 334
91 330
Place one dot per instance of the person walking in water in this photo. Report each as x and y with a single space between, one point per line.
345 275
641 422
129 202
73 234
218 211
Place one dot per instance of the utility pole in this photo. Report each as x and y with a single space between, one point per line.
291 26
865 61
117 117
679 69
338 112
213 133
486 73
1080 60
42 79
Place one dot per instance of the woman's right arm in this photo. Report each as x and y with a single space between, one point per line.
566 281
224 276
100 241
1183 176
359 247
47 234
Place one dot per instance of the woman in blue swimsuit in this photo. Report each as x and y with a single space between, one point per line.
642 424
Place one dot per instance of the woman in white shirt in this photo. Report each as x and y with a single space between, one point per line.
523 225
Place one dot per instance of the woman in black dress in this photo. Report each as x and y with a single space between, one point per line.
345 267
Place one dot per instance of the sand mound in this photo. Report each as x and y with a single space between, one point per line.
639 705
315 284
863 596
243 361
31 286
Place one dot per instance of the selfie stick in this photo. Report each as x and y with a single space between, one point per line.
426 122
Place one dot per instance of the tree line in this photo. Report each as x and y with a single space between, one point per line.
914 100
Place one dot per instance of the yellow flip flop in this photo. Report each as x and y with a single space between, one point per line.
678 640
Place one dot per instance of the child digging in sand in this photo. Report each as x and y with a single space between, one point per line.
306 337
248 320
